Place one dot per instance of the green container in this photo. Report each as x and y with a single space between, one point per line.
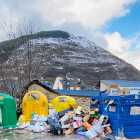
8 115
93 115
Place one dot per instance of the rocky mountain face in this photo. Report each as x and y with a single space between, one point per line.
61 52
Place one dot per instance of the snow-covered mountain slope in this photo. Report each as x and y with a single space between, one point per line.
77 55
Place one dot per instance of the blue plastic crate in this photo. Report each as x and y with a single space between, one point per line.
123 123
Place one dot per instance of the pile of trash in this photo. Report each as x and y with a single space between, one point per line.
84 123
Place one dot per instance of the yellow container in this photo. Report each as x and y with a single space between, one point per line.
62 103
34 102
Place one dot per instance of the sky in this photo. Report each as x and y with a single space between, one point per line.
112 24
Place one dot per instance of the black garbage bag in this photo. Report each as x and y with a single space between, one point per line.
51 121
56 129
109 137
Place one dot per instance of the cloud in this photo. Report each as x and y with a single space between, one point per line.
90 13
80 17
121 47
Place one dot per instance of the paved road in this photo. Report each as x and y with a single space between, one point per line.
25 135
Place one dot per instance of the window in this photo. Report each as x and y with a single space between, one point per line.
61 99
33 96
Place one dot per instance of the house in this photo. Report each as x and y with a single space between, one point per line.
103 84
69 82
38 86
82 97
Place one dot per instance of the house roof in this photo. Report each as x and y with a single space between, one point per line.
122 83
42 85
79 92
74 82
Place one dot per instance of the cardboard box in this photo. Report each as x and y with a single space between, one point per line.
86 118
114 90
72 129
95 121
66 126
108 129
77 118
92 111
68 132
125 91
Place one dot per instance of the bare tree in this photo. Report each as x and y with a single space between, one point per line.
19 59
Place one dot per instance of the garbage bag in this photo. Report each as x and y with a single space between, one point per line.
109 137
38 128
98 128
51 121
33 122
91 133
24 125
42 118
81 129
52 113
56 129
22 119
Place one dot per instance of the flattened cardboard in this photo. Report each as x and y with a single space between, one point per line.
72 129
95 121
92 111
108 129
66 126
86 118
112 108
77 118
67 132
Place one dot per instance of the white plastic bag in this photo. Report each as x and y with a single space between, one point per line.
98 128
25 125
37 128
42 118
91 133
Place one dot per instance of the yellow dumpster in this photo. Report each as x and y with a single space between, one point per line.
34 102
62 103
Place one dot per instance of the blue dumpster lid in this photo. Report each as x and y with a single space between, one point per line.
121 97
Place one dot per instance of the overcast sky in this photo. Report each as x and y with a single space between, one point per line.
112 24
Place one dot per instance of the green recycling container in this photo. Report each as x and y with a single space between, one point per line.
8 115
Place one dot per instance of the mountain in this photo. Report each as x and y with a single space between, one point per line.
61 52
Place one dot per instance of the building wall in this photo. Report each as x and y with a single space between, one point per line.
80 100
103 86
50 95
57 83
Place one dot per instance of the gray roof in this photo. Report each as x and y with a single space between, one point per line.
74 82
122 83
79 92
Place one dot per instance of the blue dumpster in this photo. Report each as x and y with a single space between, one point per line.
123 114
99 100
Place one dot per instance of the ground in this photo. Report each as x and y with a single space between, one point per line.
25 135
